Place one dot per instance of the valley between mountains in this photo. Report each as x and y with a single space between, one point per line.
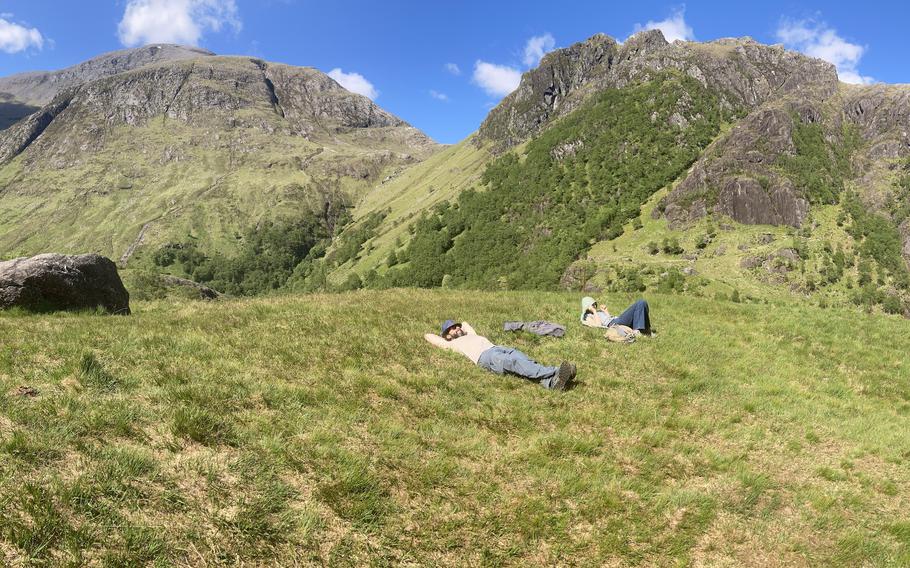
297 416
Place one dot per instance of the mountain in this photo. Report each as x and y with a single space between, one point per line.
159 148
24 93
727 168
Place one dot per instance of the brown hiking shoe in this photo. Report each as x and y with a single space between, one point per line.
565 376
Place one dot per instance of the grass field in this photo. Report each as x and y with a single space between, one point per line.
324 430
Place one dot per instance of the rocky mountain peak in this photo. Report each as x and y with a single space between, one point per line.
745 73
181 143
212 92
40 87
642 43
548 91
24 93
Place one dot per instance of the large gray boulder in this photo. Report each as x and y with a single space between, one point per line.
50 282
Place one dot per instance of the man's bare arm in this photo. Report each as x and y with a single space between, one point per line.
437 341
467 328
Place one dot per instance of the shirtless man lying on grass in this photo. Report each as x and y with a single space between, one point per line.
462 338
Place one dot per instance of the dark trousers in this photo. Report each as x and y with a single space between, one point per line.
636 317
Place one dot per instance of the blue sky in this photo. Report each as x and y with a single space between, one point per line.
440 65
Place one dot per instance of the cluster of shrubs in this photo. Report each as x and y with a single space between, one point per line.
275 254
706 239
899 202
268 256
670 245
632 279
833 263
879 241
882 277
350 241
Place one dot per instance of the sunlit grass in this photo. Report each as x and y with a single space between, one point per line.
324 430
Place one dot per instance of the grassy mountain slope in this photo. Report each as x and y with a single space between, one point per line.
230 153
208 191
739 74
194 153
406 194
324 430
847 252
717 257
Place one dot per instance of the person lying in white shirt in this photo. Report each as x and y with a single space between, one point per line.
461 338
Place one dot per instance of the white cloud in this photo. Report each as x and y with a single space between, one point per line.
175 21
15 37
439 96
537 47
496 80
453 68
354 82
816 39
500 80
673 27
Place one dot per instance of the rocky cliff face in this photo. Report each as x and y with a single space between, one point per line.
774 91
24 93
215 92
554 88
793 147
737 176
39 88
745 73
744 175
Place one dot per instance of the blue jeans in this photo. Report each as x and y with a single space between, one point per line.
502 360
636 316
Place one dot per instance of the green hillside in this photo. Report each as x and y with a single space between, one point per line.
726 169
586 205
836 260
401 199
655 170
323 430
575 184
193 153
208 195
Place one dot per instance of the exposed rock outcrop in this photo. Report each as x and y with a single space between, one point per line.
745 200
551 89
740 175
51 282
